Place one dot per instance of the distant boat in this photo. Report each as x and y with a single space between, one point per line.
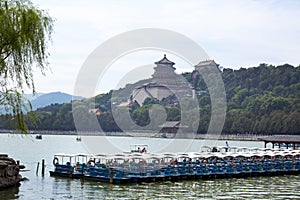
138 148
38 137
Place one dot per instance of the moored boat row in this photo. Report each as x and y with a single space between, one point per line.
139 167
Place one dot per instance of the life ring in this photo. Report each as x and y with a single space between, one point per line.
55 161
91 163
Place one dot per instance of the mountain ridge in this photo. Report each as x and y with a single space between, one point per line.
46 99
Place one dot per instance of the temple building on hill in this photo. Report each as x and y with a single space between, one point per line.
164 72
164 83
207 63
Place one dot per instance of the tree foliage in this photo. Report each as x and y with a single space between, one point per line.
260 100
25 32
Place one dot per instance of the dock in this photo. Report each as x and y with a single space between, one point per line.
287 141
207 164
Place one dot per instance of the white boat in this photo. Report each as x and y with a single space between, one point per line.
138 148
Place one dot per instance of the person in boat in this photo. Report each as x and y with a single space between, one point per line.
184 162
144 150
115 162
77 165
214 149
173 162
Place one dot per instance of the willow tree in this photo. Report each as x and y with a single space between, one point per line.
25 33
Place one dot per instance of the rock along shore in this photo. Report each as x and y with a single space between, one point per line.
9 172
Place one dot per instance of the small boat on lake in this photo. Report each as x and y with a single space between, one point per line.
63 168
89 167
138 148
38 137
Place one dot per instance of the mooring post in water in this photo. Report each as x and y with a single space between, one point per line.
37 168
111 175
43 167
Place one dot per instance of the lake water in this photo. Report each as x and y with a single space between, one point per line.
30 151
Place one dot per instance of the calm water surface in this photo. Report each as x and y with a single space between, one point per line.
30 151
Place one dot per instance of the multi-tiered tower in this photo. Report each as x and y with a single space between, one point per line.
164 83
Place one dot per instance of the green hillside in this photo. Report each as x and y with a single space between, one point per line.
260 100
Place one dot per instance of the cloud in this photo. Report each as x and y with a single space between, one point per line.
234 33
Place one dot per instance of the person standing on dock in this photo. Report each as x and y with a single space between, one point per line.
227 146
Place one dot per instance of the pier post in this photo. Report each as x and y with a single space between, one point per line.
111 175
43 167
37 168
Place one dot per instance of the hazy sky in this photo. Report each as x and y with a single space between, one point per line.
234 33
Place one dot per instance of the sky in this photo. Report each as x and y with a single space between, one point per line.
234 33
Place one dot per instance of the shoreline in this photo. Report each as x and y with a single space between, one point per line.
238 137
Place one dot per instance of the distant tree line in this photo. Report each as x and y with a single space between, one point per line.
260 100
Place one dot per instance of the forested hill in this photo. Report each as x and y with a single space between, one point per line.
264 99
261 100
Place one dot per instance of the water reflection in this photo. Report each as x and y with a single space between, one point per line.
281 187
276 187
10 193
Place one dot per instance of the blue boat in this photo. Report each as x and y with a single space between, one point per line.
137 167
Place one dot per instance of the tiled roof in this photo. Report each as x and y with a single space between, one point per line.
206 62
165 60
